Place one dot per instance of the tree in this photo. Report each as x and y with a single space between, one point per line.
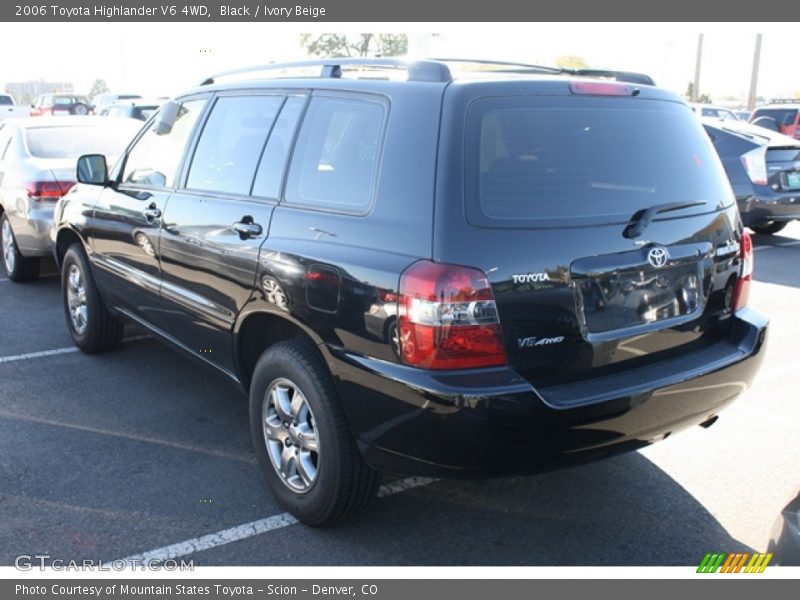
365 44
99 86
571 61
701 98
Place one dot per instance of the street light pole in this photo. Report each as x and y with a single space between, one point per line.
699 61
751 98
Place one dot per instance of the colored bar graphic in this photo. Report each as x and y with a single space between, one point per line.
733 563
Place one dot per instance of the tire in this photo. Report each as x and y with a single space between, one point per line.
18 268
769 227
337 483
80 109
90 324
767 123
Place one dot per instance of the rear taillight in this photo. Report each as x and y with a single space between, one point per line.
44 191
741 294
448 318
755 163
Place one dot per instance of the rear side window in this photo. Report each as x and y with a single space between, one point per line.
5 101
560 161
782 116
231 144
336 157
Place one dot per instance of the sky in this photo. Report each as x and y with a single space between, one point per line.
163 59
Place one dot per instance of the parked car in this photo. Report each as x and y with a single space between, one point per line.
715 112
37 166
764 170
131 109
9 108
780 117
565 288
100 101
61 104
744 115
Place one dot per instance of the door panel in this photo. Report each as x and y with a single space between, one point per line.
126 221
213 230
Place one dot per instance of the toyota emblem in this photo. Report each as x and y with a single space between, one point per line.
658 257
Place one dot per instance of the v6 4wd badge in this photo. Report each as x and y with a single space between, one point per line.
532 342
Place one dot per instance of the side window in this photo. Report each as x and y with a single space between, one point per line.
155 158
336 156
231 143
273 162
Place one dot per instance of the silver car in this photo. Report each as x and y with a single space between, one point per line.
37 166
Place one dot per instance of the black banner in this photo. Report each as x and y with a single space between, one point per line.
269 11
730 588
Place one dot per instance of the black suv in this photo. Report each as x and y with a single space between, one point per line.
496 273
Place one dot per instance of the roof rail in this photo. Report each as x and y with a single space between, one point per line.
784 101
419 70
515 67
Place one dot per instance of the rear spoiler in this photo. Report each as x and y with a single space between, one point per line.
626 76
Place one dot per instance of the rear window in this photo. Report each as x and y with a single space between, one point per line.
559 161
782 116
67 142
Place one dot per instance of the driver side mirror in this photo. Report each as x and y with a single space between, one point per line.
92 169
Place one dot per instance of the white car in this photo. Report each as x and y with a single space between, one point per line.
38 158
9 108
714 112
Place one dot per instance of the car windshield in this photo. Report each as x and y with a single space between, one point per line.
563 161
67 142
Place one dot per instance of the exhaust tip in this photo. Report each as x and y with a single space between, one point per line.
708 423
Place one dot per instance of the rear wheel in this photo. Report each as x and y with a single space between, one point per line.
90 324
304 447
769 227
80 109
18 268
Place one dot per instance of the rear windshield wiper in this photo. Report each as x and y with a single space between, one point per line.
642 218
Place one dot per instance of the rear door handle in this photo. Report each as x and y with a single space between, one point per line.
246 228
152 213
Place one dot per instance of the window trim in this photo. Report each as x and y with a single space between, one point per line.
379 99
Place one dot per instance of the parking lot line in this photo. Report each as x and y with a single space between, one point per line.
129 436
784 244
247 530
56 351
3 279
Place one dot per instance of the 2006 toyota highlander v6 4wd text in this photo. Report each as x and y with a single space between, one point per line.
493 273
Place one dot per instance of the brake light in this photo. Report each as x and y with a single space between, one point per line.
755 163
741 295
448 318
600 88
44 191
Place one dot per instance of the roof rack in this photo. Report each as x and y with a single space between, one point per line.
431 70
784 101
419 70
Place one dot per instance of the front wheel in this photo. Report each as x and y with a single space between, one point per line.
18 268
769 227
90 324
300 436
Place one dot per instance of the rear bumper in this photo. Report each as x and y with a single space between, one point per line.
762 205
31 227
492 422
